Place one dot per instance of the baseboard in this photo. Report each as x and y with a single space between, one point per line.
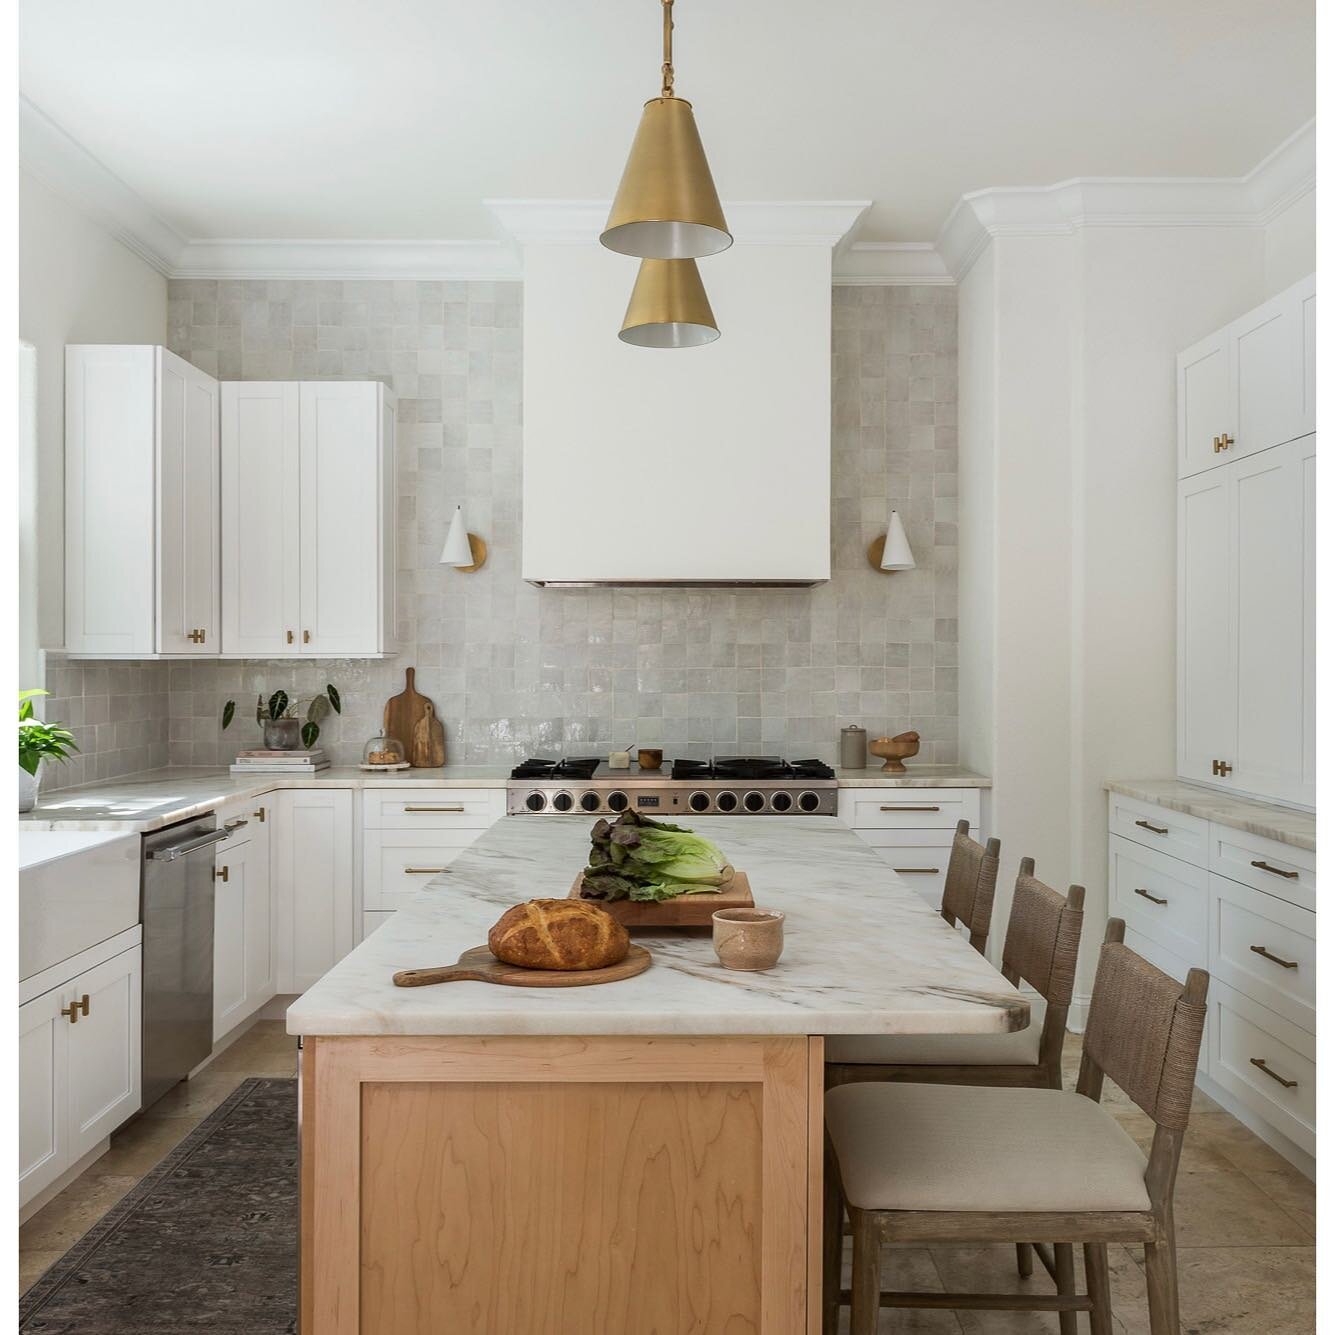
50 1192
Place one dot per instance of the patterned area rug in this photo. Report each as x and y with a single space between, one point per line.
207 1241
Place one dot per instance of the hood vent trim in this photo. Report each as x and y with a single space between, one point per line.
676 583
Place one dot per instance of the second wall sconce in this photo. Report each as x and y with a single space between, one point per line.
892 552
465 551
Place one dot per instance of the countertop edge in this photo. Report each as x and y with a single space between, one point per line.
1294 827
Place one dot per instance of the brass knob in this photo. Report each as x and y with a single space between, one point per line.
220 873
305 637
73 1009
261 815
289 637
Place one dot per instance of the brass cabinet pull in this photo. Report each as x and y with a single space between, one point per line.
1259 1063
909 808
434 808
1154 829
1221 443
424 871
73 1009
290 637
196 637
220 874
305 637
1261 865
261 815
1221 767
1274 959
1145 894
917 871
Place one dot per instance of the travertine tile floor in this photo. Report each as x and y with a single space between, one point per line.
1246 1219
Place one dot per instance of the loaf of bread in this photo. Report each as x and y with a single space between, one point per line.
558 934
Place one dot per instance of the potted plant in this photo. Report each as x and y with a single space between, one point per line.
38 740
280 717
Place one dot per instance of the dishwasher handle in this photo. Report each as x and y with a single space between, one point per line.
174 851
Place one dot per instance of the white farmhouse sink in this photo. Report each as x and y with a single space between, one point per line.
76 888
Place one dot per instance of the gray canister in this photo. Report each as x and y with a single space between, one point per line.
852 747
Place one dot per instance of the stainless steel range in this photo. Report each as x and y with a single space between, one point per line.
726 785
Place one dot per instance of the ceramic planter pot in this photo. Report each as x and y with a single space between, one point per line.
28 788
282 734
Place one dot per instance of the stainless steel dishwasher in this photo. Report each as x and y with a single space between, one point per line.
177 912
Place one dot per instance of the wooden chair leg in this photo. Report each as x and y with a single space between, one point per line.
1161 1281
866 1306
1064 1255
833 1247
1099 1288
1024 1259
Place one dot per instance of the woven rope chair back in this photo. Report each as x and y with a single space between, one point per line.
971 883
1043 936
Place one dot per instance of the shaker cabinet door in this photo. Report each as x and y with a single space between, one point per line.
1266 351
342 487
261 509
188 515
43 1074
104 1051
1204 411
1206 612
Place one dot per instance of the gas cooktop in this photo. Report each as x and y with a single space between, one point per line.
725 785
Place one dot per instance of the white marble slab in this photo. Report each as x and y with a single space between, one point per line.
915 776
149 801
864 953
1297 828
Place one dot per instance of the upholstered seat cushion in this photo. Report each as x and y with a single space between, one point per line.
1016 1049
956 1147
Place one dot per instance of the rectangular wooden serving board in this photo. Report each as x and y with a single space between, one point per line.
684 911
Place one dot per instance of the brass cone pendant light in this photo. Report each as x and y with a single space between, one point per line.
666 207
668 307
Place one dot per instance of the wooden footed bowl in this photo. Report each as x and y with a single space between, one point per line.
894 752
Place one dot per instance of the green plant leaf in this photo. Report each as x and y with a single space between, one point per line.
335 698
309 733
277 704
229 712
317 710
259 710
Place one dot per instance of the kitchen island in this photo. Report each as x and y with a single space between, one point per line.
640 1156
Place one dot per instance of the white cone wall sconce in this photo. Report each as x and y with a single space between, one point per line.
892 552
465 551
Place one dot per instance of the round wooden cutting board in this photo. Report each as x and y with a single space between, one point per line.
479 965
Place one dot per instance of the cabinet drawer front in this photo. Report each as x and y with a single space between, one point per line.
921 864
431 808
908 808
1265 1062
1161 897
396 864
1276 868
1265 948
1157 827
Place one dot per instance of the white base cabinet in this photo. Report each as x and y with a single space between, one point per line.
245 973
1196 894
79 1065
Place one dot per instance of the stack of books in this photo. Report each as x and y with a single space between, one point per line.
280 762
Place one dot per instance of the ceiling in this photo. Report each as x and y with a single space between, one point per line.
397 118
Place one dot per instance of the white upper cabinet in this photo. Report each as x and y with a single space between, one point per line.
308 519
141 503
1251 385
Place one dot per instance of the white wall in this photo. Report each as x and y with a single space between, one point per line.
1076 335
1290 244
77 284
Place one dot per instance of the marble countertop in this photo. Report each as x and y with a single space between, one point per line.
864 953
1297 828
916 776
149 801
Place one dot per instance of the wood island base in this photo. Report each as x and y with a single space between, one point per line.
561 1186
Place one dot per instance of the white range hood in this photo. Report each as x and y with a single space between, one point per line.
678 467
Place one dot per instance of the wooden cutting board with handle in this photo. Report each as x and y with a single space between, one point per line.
410 717
479 965
684 911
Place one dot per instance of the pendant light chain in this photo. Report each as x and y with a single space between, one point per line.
668 72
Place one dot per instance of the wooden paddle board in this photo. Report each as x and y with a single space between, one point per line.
684 911
410 718
479 965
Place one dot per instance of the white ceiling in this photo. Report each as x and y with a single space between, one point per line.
396 118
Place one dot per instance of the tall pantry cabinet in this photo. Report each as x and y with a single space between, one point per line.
239 520
1246 553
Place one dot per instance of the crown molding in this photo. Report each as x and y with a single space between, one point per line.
890 264
62 164
458 260
1280 179
773 223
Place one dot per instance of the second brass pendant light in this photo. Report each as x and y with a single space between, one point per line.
667 211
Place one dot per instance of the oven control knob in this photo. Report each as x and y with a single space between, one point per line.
726 801
617 800
754 801
535 801
698 801
808 801
563 801
781 801
589 801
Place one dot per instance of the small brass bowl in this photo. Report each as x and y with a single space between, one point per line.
893 752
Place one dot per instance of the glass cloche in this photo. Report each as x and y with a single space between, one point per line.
384 752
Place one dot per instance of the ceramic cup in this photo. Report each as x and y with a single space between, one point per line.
650 757
749 939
